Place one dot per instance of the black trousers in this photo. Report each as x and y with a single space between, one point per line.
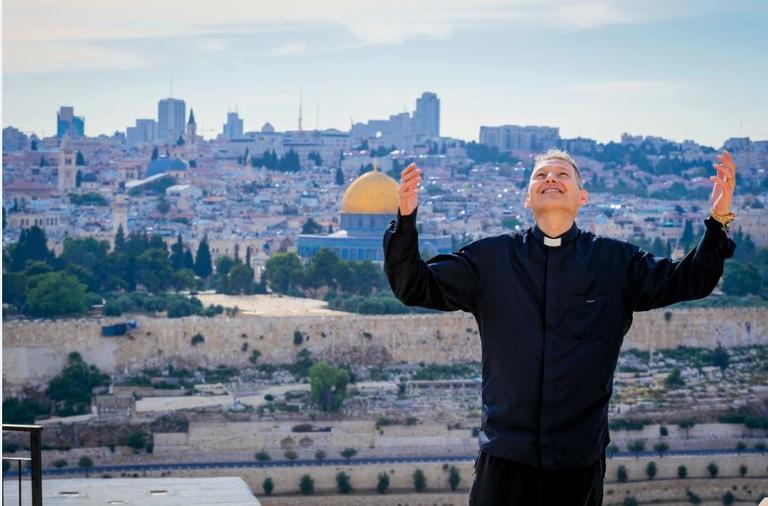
500 481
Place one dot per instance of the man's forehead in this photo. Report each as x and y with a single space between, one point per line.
553 162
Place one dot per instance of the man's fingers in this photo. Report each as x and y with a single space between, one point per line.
408 169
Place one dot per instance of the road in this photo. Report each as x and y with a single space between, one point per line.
133 468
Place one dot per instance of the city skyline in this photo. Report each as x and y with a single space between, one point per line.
594 70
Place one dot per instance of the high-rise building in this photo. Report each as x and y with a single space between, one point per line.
144 132
426 118
69 124
233 128
171 113
519 138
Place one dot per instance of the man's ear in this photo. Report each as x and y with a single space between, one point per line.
527 201
583 197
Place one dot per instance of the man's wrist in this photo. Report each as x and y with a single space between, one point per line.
724 219
407 222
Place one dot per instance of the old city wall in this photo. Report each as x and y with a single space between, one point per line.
35 351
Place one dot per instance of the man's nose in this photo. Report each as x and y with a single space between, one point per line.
550 177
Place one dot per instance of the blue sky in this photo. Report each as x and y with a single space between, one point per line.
680 69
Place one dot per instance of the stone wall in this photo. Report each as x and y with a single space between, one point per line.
35 351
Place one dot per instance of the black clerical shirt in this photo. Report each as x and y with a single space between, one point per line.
552 315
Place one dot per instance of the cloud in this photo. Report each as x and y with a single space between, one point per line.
36 29
67 56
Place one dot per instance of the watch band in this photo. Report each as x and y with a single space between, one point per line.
724 219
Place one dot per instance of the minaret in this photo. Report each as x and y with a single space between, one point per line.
119 215
67 167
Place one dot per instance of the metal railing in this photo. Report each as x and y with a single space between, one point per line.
35 460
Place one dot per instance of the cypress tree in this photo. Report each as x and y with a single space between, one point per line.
203 266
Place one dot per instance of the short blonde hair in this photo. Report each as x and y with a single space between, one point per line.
558 154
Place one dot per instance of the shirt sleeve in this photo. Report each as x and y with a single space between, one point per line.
447 282
654 282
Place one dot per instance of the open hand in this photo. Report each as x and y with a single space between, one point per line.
410 178
724 183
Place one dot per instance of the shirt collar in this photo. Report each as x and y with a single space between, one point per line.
543 239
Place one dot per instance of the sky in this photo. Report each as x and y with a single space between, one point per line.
680 69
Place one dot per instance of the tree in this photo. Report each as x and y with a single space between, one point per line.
155 154
342 483
636 447
660 448
320 454
674 379
56 294
268 486
311 227
203 265
32 245
454 478
728 498
419 480
339 177
686 239
59 463
742 278
630 500
307 485
692 497
71 389
78 179
263 456
686 425
136 440
119 239
240 279
621 474
713 469
177 254
291 455
612 450
682 472
663 431
79 158
348 453
320 271
760 446
328 386
154 270
283 271
740 447
383 483
743 470
85 463
650 470
720 357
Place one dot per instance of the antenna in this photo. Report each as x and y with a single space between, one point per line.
301 100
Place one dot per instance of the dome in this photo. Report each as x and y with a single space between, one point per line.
268 128
372 193
164 164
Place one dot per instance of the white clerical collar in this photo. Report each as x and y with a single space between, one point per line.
552 242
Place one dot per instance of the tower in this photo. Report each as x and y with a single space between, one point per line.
67 166
119 215
191 136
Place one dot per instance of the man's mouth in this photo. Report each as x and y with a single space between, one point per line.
548 190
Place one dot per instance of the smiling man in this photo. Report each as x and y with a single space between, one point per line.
552 304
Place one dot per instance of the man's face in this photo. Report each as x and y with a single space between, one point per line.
554 186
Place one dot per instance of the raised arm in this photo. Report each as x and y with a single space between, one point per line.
654 282
447 282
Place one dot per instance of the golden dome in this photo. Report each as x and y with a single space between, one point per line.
372 193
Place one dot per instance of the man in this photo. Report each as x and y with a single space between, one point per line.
552 304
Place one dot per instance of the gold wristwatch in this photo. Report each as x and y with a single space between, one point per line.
724 219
